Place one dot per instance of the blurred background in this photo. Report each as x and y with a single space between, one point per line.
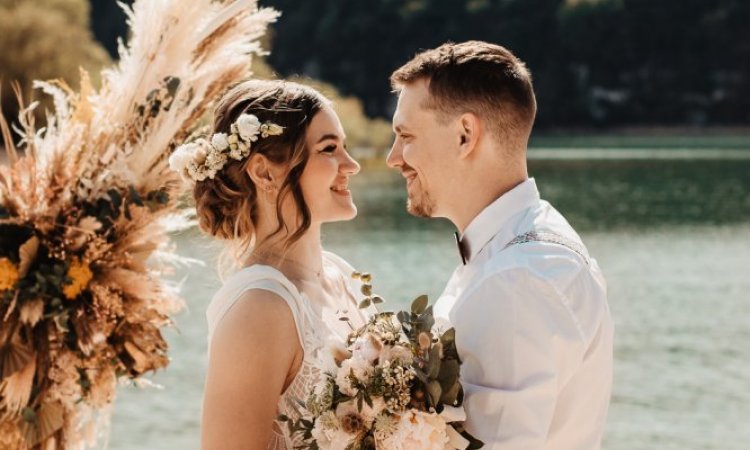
642 141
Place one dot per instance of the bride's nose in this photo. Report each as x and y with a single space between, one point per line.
349 165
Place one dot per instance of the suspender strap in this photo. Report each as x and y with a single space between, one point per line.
551 238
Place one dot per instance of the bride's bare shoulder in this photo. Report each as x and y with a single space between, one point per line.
260 322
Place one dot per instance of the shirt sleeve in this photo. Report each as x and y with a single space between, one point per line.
519 344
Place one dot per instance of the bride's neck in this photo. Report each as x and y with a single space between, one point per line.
301 259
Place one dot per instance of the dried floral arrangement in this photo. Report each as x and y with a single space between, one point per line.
86 205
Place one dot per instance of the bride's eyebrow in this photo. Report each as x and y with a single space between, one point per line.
326 137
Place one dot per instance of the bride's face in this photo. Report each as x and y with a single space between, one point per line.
325 180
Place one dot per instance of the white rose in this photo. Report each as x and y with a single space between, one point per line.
248 127
360 369
182 157
417 429
333 351
397 353
220 141
325 429
367 347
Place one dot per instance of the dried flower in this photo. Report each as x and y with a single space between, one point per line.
80 274
8 274
220 141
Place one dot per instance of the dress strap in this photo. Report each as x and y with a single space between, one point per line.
257 277
551 238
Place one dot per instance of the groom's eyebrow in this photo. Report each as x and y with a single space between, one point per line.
398 128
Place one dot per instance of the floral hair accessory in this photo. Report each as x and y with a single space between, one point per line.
203 158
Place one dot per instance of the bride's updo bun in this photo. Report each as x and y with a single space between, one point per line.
227 204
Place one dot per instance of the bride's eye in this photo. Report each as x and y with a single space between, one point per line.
329 149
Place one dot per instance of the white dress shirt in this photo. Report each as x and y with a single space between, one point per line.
533 330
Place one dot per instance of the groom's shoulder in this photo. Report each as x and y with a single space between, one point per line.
558 273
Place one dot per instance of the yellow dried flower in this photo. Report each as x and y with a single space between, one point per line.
80 273
8 274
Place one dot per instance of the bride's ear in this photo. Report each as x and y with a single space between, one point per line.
265 174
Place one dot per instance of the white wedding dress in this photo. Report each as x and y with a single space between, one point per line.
315 325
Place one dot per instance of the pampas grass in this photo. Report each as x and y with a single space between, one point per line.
86 205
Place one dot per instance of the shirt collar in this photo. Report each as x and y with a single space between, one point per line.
494 219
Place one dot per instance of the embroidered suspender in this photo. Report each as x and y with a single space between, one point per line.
552 238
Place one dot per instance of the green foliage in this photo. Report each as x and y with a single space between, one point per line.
42 40
595 62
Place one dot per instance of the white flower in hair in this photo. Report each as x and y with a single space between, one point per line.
181 158
248 127
220 141
204 158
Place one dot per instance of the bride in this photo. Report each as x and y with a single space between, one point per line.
275 169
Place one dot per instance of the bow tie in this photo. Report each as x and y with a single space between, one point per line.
461 247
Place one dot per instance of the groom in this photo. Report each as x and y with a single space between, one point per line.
528 302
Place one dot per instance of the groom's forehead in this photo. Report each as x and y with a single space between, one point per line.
411 105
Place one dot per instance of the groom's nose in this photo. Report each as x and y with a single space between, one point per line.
395 156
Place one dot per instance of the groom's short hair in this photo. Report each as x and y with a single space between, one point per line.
477 77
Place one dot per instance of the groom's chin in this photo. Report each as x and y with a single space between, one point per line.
417 209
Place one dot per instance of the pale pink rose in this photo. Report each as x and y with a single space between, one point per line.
417 430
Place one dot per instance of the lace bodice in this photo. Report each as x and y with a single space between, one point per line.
313 328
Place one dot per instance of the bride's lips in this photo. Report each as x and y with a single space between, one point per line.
341 189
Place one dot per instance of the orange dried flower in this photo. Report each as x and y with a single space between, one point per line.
8 274
80 274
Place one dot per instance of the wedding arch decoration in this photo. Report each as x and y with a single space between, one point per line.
86 207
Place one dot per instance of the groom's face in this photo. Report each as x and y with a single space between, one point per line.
421 150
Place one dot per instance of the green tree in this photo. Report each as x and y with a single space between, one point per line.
45 39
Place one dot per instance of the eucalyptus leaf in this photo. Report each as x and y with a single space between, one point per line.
435 391
434 362
419 304
450 396
448 337
365 303
449 370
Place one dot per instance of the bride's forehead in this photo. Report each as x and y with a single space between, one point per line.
325 125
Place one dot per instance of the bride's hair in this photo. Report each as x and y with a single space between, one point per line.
226 205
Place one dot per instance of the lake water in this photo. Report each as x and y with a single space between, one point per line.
672 236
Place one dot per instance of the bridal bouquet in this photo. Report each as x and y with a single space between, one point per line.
86 205
393 385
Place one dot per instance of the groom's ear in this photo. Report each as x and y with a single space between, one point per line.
470 129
